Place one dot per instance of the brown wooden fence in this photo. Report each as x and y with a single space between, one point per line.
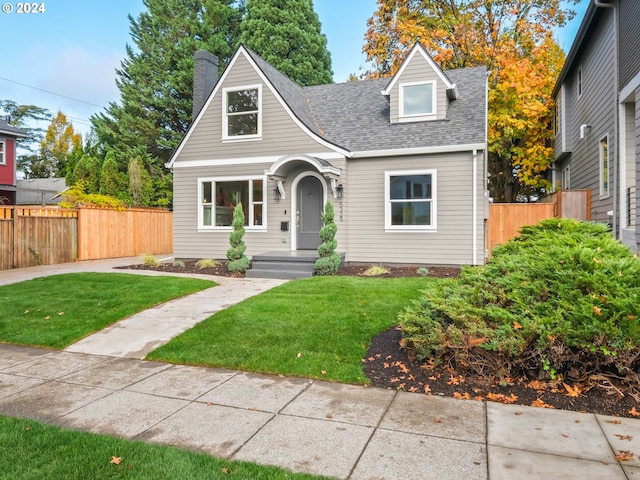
44 236
505 219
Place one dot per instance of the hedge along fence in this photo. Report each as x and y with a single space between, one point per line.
45 236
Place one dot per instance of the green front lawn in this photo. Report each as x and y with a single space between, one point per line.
319 327
31 450
59 310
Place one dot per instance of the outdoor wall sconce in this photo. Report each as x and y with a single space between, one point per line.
338 189
278 191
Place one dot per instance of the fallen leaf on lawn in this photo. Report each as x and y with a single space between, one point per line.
48 317
27 429
634 412
26 311
624 437
501 398
60 313
572 391
539 403
299 354
116 460
624 456
324 372
516 326
225 470
596 310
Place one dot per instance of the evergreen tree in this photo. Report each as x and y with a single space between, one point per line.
87 173
156 78
112 180
238 261
286 33
329 261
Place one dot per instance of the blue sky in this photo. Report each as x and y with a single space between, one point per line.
74 47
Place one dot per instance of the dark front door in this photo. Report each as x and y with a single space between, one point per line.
309 221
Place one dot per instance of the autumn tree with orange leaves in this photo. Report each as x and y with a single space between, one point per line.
514 40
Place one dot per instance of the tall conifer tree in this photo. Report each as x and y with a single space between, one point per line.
287 34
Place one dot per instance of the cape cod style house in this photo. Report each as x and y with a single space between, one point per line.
8 136
402 159
597 121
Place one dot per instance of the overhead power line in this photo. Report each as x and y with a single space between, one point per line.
51 93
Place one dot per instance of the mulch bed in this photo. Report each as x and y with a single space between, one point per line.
389 366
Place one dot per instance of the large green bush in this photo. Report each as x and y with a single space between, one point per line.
562 299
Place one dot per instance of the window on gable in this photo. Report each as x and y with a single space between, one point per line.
3 160
410 200
218 198
242 112
417 100
604 166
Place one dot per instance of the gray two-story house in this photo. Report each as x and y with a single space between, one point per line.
402 159
597 121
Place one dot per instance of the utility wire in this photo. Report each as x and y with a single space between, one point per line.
51 93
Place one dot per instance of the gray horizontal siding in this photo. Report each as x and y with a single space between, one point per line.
280 134
450 244
629 40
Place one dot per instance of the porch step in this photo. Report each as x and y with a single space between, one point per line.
286 265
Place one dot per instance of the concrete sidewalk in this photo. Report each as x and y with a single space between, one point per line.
341 431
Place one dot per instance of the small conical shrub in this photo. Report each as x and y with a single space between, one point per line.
329 261
238 261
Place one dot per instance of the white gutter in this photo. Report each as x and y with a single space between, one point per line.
469 147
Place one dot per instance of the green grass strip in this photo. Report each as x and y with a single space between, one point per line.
319 328
31 450
59 310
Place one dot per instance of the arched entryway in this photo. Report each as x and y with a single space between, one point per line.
309 205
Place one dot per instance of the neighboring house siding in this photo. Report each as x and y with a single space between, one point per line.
279 131
7 169
191 243
450 244
629 41
595 107
637 183
419 71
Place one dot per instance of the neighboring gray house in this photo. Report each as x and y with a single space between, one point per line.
597 122
403 160
40 191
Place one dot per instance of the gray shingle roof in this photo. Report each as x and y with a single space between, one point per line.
355 115
5 128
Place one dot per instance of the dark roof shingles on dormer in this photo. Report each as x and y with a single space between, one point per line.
355 115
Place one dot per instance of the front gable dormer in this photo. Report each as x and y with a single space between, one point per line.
419 91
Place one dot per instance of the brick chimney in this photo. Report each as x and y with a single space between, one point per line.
205 77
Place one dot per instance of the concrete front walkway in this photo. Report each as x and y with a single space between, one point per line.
341 431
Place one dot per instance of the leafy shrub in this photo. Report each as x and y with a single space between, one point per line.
150 260
178 264
237 260
563 297
75 197
329 261
207 263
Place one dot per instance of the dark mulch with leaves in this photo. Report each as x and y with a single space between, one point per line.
389 366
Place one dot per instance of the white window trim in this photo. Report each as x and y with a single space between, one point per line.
3 157
225 120
419 117
603 193
213 180
565 178
388 227
557 116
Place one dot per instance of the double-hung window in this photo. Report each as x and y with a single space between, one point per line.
242 116
410 198
417 101
3 159
219 196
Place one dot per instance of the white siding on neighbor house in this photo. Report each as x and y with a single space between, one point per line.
280 133
418 70
595 107
189 242
452 242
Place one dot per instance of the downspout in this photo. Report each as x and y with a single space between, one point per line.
616 123
474 207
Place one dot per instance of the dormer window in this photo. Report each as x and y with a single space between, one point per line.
417 101
242 116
